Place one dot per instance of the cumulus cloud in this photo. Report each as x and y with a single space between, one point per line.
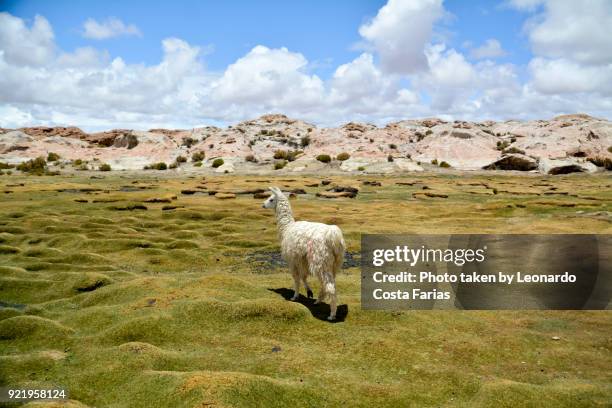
26 46
579 31
573 50
402 74
559 76
490 49
109 28
399 33
269 77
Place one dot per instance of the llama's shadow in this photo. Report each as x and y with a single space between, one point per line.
320 311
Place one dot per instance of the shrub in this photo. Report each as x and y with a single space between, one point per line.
280 164
181 159
198 156
217 163
434 162
157 166
389 158
444 164
305 141
173 165
429 132
371 140
189 141
263 132
502 145
280 154
250 158
324 158
343 156
601 162
77 162
610 149
360 168
6 166
197 164
104 167
52 157
392 146
292 155
36 166
513 150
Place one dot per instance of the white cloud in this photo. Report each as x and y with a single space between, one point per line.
26 46
490 49
268 77
579 31
359 79
399 33
403 75
109 28
560 76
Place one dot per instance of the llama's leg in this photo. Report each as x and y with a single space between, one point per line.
322 294
330 288
296 284
333 305
308 291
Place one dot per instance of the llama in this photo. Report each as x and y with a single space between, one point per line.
309 248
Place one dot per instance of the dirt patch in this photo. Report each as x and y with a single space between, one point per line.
269 261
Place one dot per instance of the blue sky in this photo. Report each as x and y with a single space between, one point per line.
187 63
325 32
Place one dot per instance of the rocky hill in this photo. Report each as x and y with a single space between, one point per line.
564 144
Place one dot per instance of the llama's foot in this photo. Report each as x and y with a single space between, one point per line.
331 317
309 293
295 297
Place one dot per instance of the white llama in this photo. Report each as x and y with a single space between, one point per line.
309 248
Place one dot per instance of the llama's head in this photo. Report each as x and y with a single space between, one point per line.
274 198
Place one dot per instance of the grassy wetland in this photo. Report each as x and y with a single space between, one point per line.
141 290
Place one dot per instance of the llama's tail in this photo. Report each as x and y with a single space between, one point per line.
337 245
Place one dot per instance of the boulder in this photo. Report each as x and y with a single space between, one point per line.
14 140
354 163
565 166
513 162
406 165
128 141
225 168
43 131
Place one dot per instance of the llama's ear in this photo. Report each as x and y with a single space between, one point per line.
274 190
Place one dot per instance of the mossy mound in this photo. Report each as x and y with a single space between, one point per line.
29 327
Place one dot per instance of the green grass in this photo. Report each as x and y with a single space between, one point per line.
151 307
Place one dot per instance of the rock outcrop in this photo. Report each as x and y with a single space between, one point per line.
563 144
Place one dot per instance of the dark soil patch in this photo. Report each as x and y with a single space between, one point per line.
264 261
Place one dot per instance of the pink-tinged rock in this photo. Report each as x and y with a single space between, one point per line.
465 149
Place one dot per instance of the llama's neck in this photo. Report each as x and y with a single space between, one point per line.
284 216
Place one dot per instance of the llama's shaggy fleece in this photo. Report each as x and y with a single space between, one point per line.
310 248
